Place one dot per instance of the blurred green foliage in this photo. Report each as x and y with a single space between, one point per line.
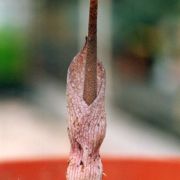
133 20
12 56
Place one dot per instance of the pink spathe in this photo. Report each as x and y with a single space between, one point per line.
87 123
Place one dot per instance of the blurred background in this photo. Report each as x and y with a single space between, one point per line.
139 44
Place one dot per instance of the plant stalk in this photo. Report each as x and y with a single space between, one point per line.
90 82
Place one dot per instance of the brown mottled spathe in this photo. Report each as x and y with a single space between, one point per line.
87 123
86 96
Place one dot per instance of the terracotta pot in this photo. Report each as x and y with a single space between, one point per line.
114 168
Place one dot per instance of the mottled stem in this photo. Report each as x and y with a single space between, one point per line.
87 124
86 107
90 83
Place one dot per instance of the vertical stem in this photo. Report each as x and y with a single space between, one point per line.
90 83
86 137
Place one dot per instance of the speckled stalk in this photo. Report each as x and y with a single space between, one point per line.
87 123
86 96
90 83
